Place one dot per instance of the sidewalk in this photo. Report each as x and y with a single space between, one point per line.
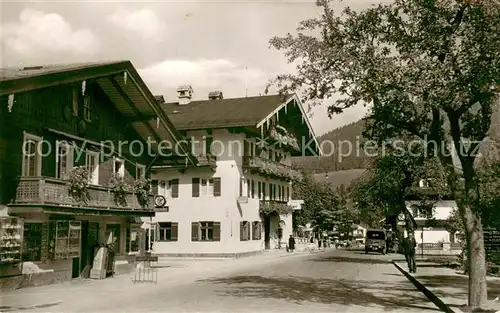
449 286
170 273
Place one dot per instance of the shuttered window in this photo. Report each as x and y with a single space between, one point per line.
195 187
244 231
205 231
256 230
167 231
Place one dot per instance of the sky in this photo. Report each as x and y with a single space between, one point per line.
210 45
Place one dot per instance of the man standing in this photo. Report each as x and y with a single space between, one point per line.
291 243
409 245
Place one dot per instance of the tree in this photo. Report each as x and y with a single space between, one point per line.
392 178
323 205
429 69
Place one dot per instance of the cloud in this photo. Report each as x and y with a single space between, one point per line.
203 74
144 22
38 32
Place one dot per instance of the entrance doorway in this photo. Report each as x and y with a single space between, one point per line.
267 232
90 233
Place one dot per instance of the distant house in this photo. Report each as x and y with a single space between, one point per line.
359 232
240 200
431 226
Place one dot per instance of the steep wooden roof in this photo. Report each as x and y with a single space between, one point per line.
119 80
235 112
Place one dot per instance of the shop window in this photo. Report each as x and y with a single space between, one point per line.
64 239
32 244
133 239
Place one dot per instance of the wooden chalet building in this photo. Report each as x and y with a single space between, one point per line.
61 118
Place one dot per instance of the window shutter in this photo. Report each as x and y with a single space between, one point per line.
175 188
216 231
154 186
155 232
196 187
195 226
217 187
209 141
242 237
174 227
248 188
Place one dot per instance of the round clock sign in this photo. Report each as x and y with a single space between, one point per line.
160 201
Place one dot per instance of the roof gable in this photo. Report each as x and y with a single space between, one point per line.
221 113
119 80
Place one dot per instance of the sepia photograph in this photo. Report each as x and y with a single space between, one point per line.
207 156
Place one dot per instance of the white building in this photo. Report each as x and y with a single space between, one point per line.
431 225
231 205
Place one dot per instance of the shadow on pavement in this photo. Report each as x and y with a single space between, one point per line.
454 285
390 296
343 259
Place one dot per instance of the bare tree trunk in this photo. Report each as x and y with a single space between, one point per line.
476 254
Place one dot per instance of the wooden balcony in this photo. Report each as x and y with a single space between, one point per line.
54 192
207 160
270 168
267 207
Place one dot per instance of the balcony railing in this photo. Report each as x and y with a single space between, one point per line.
51 191
279 207
207 160
271 168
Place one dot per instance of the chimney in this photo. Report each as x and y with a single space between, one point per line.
215 95
185 94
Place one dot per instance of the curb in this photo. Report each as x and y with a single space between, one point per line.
431 296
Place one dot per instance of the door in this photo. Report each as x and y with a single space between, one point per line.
90 232
267 232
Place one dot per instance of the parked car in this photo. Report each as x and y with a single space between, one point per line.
375 241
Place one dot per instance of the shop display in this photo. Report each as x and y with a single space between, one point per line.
11 239
32 242
64 239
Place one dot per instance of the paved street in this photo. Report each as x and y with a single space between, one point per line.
334 281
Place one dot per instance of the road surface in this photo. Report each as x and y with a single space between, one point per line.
333 281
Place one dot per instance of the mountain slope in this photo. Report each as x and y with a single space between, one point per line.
342 149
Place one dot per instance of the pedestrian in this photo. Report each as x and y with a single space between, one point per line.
319 243
311 244
291 243
409 245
